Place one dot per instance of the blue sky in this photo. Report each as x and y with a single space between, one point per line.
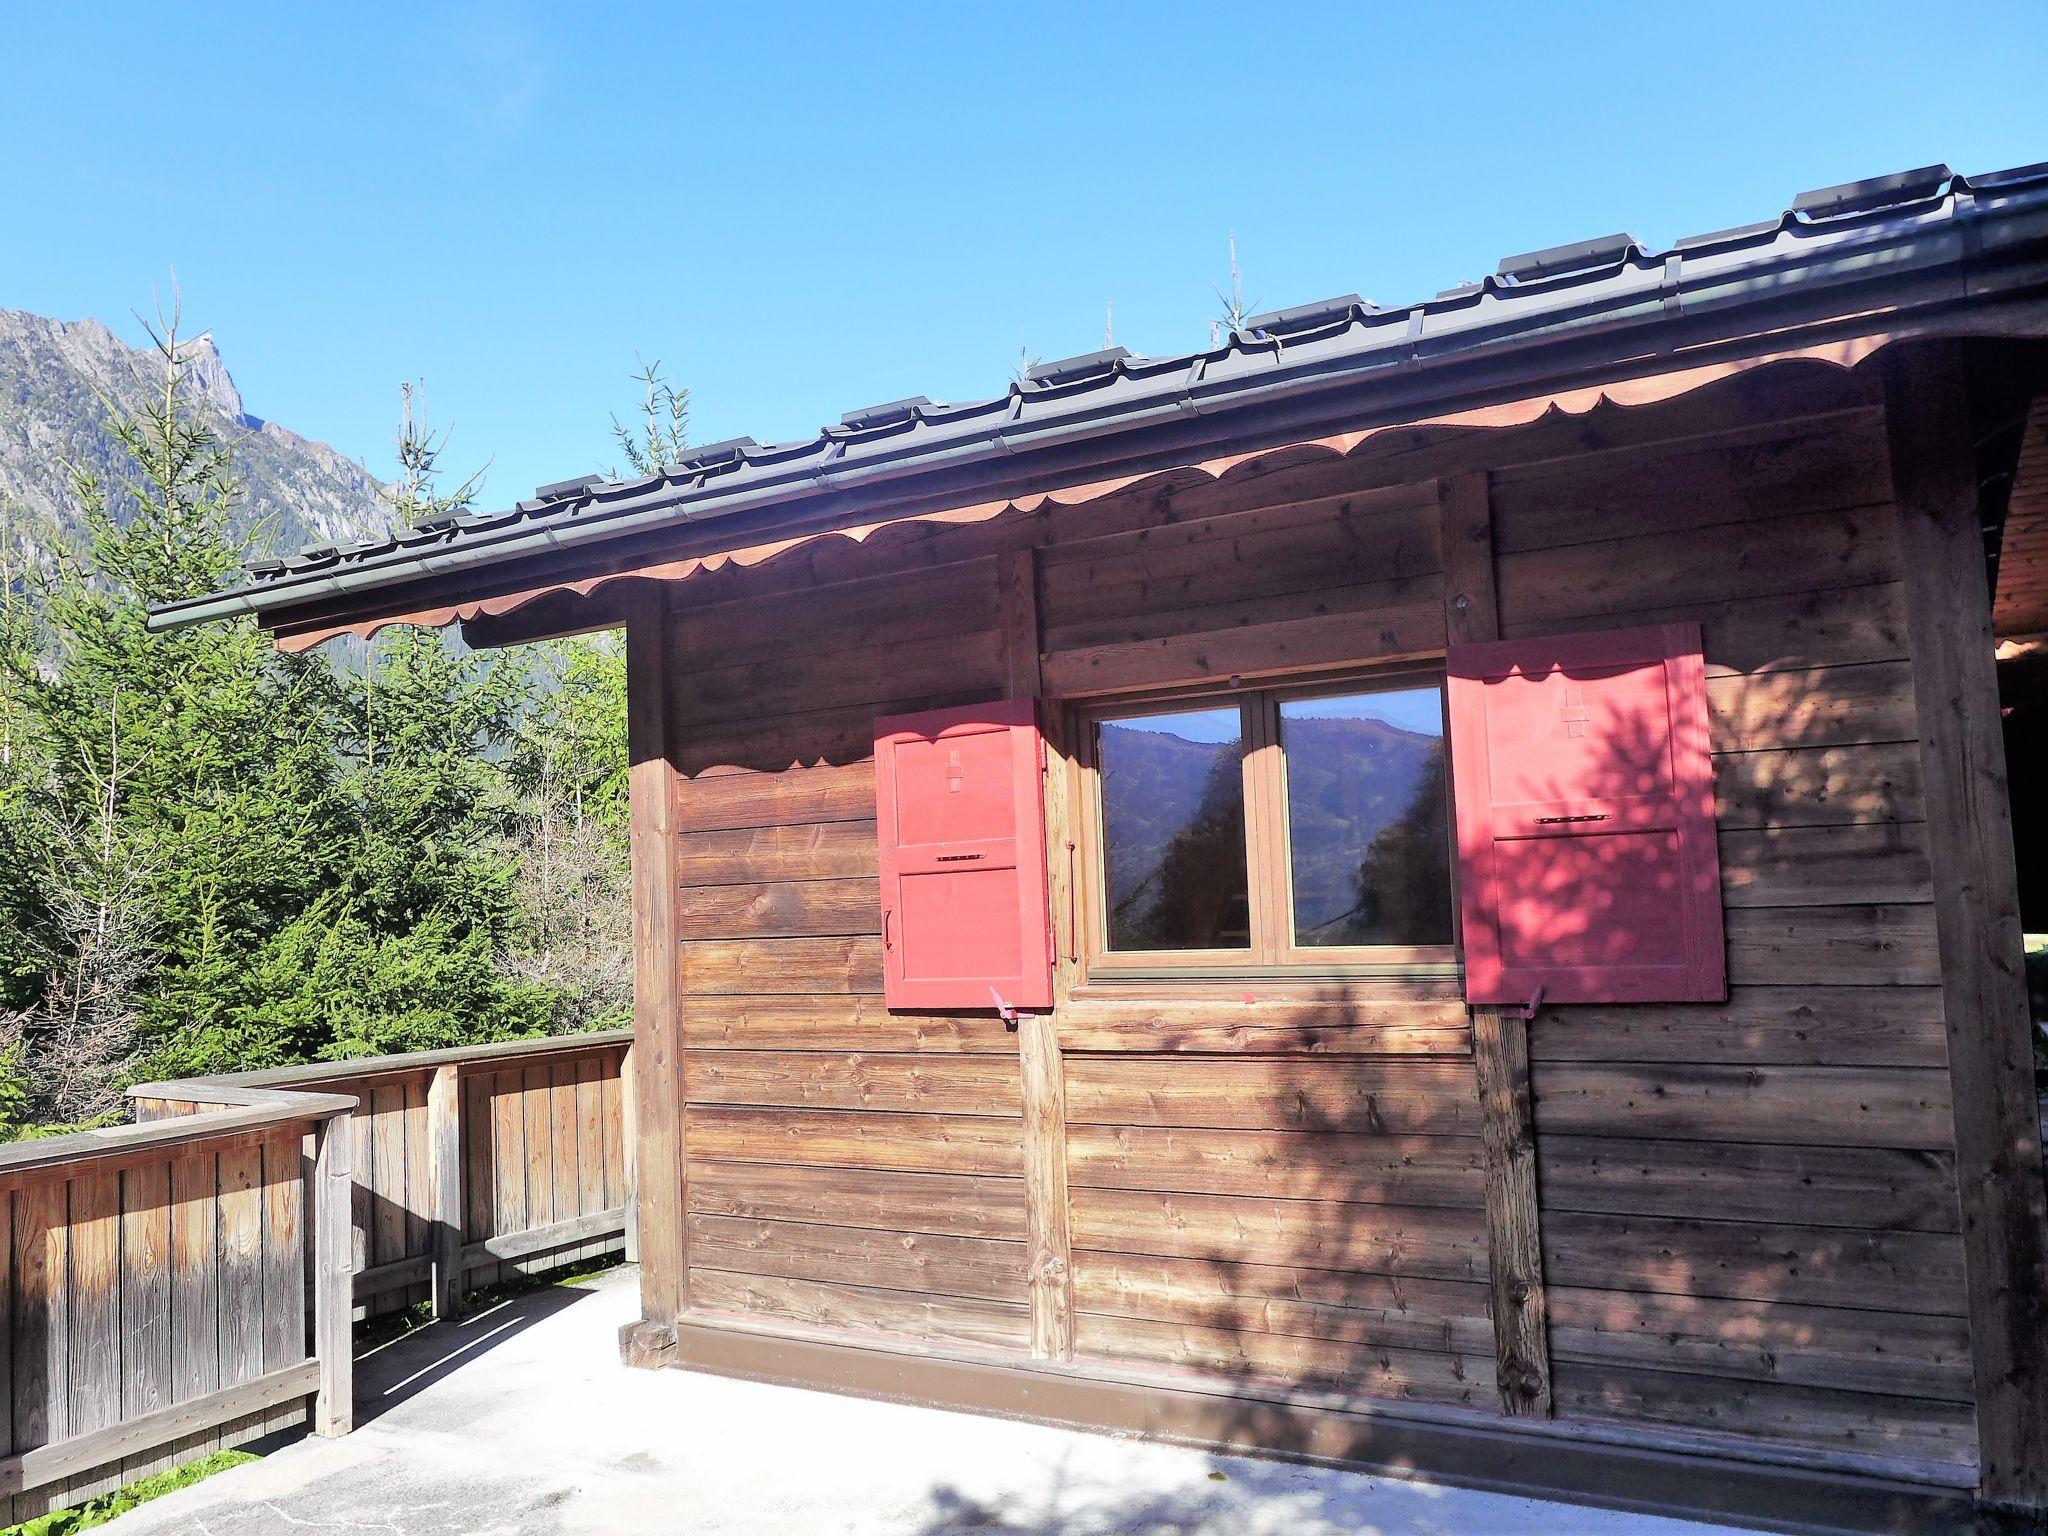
801 211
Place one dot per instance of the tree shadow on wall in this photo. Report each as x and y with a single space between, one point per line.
1288 1203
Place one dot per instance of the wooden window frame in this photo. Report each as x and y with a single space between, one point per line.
1273 954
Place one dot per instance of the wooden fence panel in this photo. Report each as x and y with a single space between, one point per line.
154 1281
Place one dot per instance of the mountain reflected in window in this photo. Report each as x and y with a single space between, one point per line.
1369 844
1173 830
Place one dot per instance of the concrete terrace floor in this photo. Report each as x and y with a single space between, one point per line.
522 1420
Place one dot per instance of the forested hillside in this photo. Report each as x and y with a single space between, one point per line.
215 857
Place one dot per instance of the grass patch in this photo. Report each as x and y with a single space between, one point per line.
83 1517
376 1332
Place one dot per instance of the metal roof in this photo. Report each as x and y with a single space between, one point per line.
1837 251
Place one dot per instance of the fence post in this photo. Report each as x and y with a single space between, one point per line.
444 1187
629 1144
333 1277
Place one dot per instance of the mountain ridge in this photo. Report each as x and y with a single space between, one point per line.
56 380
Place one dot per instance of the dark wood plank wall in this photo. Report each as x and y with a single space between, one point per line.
1749 1213
131 1288
1749 1210
848 1168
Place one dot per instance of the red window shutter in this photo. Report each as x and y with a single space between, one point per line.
960 813
1585 808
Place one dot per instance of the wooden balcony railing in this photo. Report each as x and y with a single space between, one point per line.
188 1282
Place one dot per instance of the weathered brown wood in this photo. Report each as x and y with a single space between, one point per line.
444 1187
1880 863
1823 1106
386 1175
419 1174
1818 786
657 1024
823 1304
1771 632
590 1138
1267 1026
479 1160
781 909
567 1176
1336 544
1825 946
1383 1170
1044 1112
1794 553
1976 908
567 1233
901 1261
825 850
1815 1026
94 1279
1864 1422
241 1266
537 1109
1147 623
195 1273
1816 707
713 802
1500 1042
901 1143
1374 1096
955 1084
42 1297
1447 1315
786 967
1251 650
837 1024
1823 464
1835 1347
930 606
284 1251
1017 622
46 1464
1757 1261
1500 1054
1382 1370
1879 1188
876 677
622 1170
948 1204
333 1296
1226 1230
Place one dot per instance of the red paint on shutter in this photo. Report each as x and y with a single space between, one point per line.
1585 808
960 813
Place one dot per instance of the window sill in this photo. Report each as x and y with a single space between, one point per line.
1121 981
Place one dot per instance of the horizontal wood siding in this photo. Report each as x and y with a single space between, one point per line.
848 1168
1748 1208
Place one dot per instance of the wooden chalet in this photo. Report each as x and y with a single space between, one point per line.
1432 886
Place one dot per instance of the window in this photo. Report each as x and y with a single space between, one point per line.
1284 827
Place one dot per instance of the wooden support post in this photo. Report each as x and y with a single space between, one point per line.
1047 1236
444 1186
1976 916
658 1198
333 1201
1500 1037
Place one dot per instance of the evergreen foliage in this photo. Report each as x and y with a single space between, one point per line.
215 857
